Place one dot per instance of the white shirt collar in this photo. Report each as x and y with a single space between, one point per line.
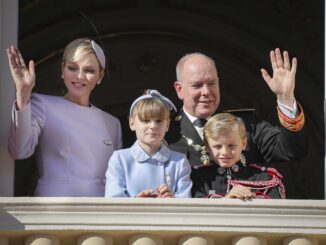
191 118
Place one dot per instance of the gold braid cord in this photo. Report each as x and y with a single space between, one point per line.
292 124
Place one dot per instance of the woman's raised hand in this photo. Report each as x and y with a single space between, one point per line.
23 76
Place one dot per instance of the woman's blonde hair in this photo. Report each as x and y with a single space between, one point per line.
150 108
224 122
77 49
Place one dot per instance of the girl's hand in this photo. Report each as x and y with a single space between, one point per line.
164 191
147 193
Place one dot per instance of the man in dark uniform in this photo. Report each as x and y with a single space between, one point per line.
197 86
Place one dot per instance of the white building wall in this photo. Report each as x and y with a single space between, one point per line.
9 35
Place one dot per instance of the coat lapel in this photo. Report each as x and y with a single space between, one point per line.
188 130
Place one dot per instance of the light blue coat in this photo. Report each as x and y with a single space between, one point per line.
132 170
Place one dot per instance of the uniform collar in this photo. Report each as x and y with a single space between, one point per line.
162 156
233 169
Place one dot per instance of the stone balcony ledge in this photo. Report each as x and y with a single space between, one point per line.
134 214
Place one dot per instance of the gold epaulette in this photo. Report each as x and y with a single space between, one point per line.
292 124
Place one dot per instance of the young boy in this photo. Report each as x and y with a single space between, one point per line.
229 176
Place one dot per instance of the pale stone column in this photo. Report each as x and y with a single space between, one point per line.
300 241
325 102
4 241
248 240
196 240
93 239
8 34
145 239
42 240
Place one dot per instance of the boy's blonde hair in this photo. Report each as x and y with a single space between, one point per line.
224 122
150 108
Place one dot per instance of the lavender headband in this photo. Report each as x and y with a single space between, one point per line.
99 53
154 94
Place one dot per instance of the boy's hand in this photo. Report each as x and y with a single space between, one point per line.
241 192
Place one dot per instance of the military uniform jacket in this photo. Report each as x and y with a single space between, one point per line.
266 143
215 181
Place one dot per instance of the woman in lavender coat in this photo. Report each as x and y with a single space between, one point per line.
72 139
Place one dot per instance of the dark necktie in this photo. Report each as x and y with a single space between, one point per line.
200 122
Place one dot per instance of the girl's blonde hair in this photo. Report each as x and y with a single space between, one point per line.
150 108
224 122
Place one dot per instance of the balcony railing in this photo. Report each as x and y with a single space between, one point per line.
45 221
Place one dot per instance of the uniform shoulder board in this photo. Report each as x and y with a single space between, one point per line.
240 110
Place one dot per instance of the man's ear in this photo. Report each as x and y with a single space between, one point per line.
178 89
131 123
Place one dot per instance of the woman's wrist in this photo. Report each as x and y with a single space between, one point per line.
22 98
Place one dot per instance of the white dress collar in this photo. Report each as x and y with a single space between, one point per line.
162 155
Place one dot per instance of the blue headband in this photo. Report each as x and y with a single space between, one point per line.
154 94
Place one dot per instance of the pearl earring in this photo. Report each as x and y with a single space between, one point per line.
62 76
98 82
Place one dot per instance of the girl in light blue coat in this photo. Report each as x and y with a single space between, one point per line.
149 168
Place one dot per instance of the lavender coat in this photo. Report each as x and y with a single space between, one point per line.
72 143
